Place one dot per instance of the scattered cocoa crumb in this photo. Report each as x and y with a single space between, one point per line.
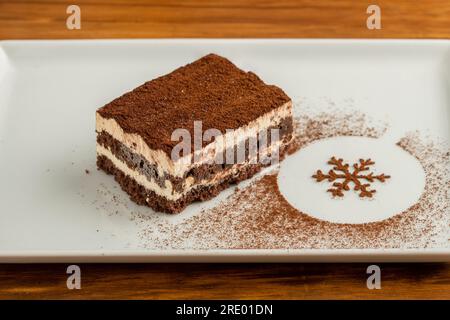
334 123
87 171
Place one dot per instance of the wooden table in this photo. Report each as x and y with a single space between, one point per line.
21 19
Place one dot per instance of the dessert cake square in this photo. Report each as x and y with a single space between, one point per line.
187 135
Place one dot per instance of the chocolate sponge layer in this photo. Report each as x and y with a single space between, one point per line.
143 196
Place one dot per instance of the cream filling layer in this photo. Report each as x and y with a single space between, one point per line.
138 177
168 191
179 167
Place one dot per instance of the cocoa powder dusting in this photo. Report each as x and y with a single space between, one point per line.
212 90
258 217
311 127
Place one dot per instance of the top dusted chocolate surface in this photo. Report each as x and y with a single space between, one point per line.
212 90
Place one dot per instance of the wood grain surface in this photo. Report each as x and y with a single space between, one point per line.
226 281
21 19
28 19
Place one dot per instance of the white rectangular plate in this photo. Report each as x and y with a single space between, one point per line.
52 211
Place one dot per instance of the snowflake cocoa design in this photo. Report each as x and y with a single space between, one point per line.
342 176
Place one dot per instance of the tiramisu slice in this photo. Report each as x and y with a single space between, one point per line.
187 135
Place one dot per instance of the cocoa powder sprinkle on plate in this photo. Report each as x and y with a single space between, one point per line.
257 216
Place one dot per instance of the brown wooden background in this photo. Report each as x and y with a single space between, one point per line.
28 19
21 19
226 281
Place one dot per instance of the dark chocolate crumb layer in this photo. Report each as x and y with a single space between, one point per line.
139 194
143 196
